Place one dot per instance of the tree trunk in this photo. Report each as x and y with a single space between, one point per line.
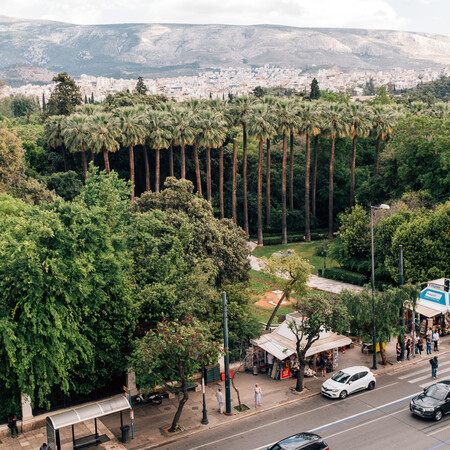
132 171
171 160
222 212
307 170
300 373
84 161
66 161
260 169
283 192
208 174
197 170
233 196
183 162
352 177
176 419
331 190
383 353
157 168
92 157
244 170
237 392
291 173
106 158
377 157
314 174
268 184
147 170
274 312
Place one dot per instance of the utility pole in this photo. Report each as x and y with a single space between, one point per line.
400 284
227 357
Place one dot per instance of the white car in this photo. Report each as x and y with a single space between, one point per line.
347 381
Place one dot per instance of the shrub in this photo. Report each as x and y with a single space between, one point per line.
335 273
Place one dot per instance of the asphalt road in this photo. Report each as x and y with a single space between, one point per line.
378 419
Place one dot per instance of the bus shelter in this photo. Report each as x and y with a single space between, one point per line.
83 413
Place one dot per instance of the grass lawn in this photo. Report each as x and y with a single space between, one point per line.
305 249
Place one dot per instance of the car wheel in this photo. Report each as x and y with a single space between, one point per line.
438 415
371 386
343 395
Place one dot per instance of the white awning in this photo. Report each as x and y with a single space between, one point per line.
88 412
323 345
268 343
427 312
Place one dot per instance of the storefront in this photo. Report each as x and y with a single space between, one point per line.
275 353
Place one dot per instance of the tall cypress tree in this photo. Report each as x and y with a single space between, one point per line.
315 91
141 88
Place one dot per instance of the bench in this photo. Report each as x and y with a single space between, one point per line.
86 441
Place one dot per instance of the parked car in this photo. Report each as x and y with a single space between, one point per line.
434 402
303 441
347 381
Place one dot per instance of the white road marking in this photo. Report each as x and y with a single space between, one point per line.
416 372
438 431
439 372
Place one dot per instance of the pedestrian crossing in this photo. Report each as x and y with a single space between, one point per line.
423 373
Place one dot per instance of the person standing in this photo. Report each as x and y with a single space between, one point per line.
270 363
428 343
12 425
398 349
258 393
436 340
44 446
408 348
219 395
434 365
420 346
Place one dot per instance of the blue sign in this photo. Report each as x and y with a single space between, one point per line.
433 296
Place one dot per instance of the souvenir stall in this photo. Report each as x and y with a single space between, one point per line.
275 353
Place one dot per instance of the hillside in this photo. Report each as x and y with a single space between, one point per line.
128 50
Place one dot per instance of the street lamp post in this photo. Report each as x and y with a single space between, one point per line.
205 416
374 331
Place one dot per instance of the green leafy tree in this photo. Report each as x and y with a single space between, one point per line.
65 96
141 88
11 157
258 92
315 315
22 105
173 352
314 93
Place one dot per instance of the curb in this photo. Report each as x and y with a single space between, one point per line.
411 363
199 430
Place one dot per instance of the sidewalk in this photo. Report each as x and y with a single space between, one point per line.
151 422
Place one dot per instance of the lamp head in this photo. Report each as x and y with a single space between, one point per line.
383 206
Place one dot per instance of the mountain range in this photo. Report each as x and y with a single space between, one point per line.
34 50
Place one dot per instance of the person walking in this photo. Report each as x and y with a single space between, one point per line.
44 446
428 344
436 340
219 395
420 346
408 348
258 393
12 425
416 344
398 349
434 365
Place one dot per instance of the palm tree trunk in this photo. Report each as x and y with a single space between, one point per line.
106 158
66 161
352 178
291 173
307 170
132 171
147 170
183 162
222 212
233 195
268 184
197 170
157 170
314 174
92 157
331 190
377 157
283 192
260 169
171 160
84 161
208 174
244 170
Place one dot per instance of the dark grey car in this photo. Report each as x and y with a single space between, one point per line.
303 441
434 403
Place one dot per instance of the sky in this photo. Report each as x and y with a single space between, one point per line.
429 16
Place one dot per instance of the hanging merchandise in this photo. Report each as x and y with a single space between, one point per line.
335 358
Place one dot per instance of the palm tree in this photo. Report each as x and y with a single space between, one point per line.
132 132
242 107
54 126
286 122
271 104
195 107
359 119
212 134
296 124
233 194
314 174
333 114
308 128
159 136
89 111
169 108
382 121
76 135
183 133
260 124
104 136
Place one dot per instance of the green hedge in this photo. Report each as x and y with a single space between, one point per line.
334 273
277 240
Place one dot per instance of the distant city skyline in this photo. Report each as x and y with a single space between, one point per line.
429 16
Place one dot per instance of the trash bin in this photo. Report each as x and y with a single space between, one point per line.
125 433
319 272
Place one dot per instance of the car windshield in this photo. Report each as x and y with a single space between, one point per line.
340 377
291 443
436 392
